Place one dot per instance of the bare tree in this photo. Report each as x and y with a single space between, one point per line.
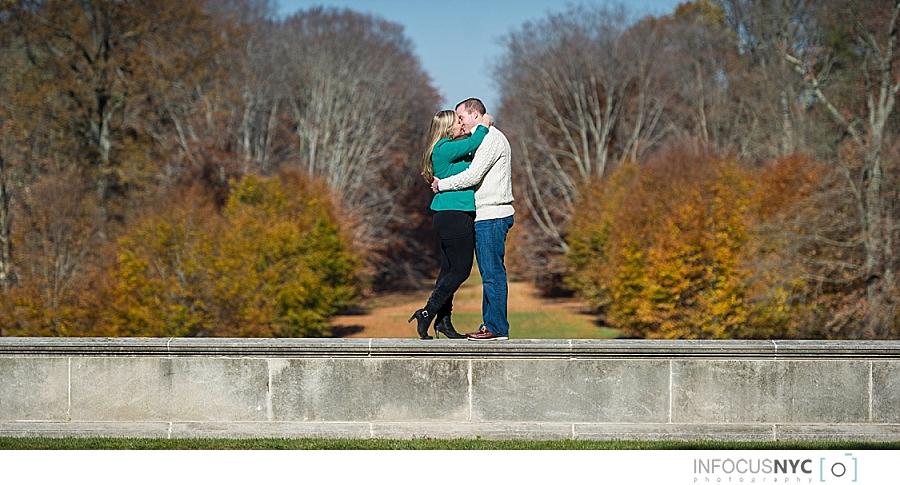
873 29
582 91
8 181
58 247
107 71
709 107
10 151
92 50
215 91
24 137
359 102
776 103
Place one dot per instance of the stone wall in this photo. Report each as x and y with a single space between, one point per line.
397 388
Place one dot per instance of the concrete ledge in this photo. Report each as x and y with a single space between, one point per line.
453 430
414 348
396 388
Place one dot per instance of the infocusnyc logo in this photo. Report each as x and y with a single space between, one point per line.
814 469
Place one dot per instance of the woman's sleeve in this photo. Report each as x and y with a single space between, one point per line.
454 150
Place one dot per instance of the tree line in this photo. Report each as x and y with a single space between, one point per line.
195 167
204 168
726 171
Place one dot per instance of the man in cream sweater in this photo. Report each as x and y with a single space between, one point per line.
490 174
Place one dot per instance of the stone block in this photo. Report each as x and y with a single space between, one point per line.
464 430
589 390
674 432
886 392
34 388
169 389
838 432
718 391
270 429
370 390
73 429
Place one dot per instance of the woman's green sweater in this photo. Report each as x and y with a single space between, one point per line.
449 157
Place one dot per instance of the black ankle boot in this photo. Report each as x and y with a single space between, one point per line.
444 326
423 318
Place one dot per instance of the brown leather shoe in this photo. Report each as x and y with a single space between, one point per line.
484 334
482 329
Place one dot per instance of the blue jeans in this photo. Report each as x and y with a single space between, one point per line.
490 249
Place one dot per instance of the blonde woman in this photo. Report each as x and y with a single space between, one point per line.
449 152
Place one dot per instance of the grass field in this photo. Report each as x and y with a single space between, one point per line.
529 324
531 315
417 444
535 324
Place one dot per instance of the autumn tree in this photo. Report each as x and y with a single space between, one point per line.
56 258
844 55
671 249
274 264
284 265
81 141
20 112
108 108
163 275
99 62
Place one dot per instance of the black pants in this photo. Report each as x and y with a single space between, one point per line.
456 229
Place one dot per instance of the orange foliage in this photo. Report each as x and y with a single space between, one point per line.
57 258
671 249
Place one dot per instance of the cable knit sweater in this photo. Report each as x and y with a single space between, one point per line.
491 175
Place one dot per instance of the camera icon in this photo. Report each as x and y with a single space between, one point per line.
843 470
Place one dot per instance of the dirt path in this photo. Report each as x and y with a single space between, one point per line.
385 316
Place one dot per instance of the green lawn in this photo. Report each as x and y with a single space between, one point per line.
533 325
417 444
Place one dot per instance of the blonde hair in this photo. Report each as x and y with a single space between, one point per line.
441 127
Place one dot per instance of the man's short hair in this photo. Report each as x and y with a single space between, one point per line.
473 104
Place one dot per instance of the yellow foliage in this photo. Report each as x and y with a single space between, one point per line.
274 264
